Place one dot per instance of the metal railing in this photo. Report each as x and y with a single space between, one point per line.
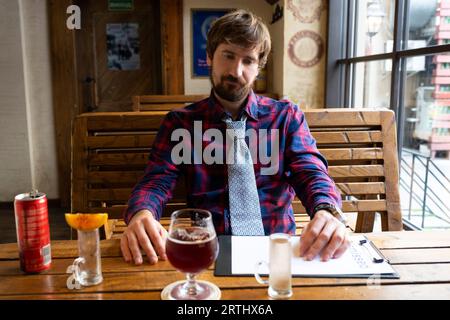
427 187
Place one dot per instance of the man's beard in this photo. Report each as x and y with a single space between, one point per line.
225 91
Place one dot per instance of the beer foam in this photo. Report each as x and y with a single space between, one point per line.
191 235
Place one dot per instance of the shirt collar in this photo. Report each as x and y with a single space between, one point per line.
217 111
252 106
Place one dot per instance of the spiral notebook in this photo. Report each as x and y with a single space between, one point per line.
238 256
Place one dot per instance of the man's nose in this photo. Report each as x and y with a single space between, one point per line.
237 69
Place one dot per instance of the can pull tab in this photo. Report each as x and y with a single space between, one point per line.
34 194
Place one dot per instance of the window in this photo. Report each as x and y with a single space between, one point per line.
396 55
372 82
376 45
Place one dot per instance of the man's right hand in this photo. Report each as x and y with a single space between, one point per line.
144 232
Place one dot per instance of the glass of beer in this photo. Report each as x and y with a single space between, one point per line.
191 247
280 259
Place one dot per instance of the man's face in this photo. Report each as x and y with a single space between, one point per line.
233 71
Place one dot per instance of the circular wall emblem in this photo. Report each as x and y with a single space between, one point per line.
306 11
305 48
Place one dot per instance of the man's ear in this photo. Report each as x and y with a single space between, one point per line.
208 60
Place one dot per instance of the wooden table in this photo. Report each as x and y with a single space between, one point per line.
421 258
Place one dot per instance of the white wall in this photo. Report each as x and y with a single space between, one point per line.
305 85
15 170
27 144
36 46
202 85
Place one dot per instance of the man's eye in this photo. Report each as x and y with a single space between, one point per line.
228 56
250 62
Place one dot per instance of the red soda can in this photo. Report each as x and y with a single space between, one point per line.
33 233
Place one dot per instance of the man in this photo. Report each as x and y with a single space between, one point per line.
243 198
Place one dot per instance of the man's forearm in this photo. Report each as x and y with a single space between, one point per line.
152 192
313 188
142 201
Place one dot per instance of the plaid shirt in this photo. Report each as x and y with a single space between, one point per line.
302 169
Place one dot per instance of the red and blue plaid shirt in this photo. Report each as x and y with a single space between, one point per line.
302 169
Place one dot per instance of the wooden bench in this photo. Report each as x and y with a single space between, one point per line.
110 152
170 102
164 102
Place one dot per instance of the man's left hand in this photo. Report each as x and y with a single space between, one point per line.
324 235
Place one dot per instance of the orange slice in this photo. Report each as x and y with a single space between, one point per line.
86 221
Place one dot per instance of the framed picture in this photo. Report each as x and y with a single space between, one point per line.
123 46
201 23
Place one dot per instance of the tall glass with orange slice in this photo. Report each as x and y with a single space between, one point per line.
87 268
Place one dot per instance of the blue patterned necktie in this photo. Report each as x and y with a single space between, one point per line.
245 211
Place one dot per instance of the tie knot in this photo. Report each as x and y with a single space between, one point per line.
235 125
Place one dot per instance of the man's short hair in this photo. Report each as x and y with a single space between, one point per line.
242 28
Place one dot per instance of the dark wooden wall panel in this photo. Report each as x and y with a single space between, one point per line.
172 46
64 75
65 100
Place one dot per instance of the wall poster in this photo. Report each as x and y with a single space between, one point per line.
123 46
201 23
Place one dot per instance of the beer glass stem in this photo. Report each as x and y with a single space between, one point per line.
191 285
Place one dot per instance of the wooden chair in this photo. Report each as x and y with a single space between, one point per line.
110 151
361 148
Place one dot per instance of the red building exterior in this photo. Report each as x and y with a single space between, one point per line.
440 134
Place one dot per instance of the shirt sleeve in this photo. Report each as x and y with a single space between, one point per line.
308 168
155 188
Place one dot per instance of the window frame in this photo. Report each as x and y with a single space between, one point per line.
341 58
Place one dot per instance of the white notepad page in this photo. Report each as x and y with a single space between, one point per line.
357 260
